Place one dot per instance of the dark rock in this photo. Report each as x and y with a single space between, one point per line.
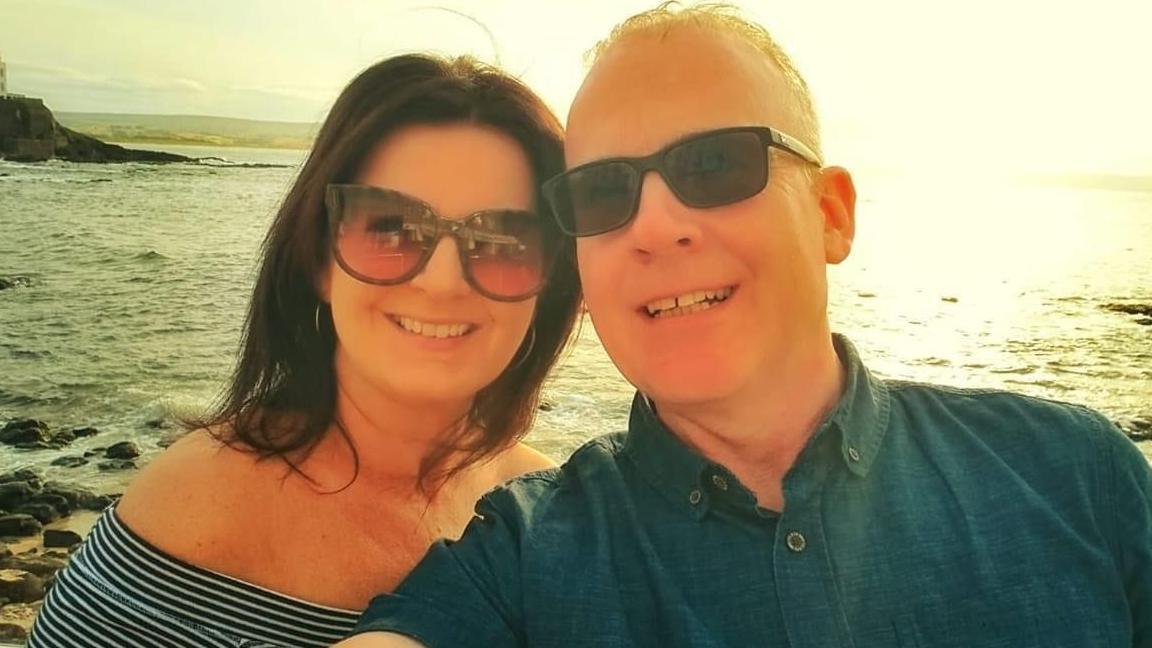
545 406
69 462
1138 436
13 633
43 566
172 436
950 300
17 618
20 526
122 450
14 494
58 502
19 586
92 453
157 424
61 538
26 129
23 474
79 498
24 431
1137 428
14 282
62 438
1144 321
116 464
1130 309
101 502
84 432
38 445
78 147
45 513
29 132
5 552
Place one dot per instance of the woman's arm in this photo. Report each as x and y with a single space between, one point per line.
379 640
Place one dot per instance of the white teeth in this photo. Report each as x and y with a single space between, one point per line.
432 330
687 303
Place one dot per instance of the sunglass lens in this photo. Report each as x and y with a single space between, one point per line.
380 236
504 253
718 169
595 199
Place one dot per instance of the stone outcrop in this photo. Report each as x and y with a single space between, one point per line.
30 133
31 555
14 282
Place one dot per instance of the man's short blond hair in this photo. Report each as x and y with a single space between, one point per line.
728 20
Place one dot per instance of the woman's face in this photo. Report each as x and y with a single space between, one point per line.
433 339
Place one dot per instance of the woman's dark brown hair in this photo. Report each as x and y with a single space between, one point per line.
282 396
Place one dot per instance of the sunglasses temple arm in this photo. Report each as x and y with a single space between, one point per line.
793 145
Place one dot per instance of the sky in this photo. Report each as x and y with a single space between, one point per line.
947 86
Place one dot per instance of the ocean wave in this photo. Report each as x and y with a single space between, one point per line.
29 354
222 162
151 255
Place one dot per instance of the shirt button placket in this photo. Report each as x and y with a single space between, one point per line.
813 614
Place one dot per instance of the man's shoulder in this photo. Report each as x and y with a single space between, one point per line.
994 405
1003 419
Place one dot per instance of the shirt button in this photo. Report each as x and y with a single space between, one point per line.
796 541
720 482
694 497
853 454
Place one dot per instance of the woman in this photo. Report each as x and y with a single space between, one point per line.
402 323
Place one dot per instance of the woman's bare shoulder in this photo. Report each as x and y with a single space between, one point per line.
520 459
196 490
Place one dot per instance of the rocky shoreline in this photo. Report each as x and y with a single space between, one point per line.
29 132
1142 313
43 521
41 524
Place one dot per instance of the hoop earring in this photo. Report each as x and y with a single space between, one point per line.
527 350
316 318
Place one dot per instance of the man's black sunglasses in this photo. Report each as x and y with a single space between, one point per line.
709 169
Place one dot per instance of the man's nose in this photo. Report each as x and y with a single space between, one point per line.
443 275
662 223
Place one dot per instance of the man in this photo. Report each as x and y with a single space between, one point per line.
770 491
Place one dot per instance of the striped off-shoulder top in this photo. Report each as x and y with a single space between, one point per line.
119 591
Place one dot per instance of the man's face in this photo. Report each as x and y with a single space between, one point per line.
766 253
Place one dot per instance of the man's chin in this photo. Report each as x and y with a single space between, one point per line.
691 385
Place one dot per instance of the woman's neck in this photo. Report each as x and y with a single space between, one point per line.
379 438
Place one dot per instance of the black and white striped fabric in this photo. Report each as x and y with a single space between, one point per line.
119 591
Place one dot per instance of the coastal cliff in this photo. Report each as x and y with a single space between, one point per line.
30 133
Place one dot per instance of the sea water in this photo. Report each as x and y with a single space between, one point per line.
141 276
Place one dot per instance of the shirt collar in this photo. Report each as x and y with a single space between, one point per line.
682 475
862 412
671 467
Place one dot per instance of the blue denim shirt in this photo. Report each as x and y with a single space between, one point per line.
916 516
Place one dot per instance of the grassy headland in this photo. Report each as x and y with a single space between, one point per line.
191 130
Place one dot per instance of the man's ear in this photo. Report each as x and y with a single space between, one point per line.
837 195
